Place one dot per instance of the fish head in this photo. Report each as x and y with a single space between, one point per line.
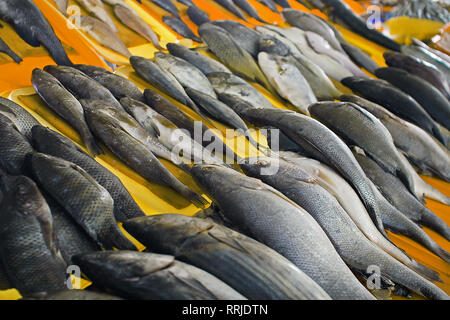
219 80
6 122
234 102
272 45
322 109
39 76
252 166
44 138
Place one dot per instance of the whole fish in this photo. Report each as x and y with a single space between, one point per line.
430 98
23 120
65 105
197 15
359 57
221 43
248 266
287 80
351 244
62 5
430 57
142 275
52 143
420 68
31 25
14 147
186 74
230 6
119 86
269 4
168 6
204 63
358 127
79 194
75 295
136 155
7 50
422 150
282 225
28 249
395 100
80 85
177 25
249 9
103 34
132 20
97 10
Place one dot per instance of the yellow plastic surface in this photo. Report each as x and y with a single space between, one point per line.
405 28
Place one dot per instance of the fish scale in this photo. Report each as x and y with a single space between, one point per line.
23 120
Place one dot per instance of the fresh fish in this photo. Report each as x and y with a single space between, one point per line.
358 127
119 86
283 3
50 142
421 149
65 105
439 53
177 25
197 15
7 50
248 266
230 6
221 43
14 147
87 202
80 85
359 57
430 98
23 120
31 25
395 100
28 249
136 155
351 244
282 225
287 80
103 34
97 10
187 3
249 9
168 6
430 57
62 5
132 20
150 276
74 295
186 74
269 4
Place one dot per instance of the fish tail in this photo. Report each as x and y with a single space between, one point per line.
432 193
114 238
193 197
92 146
432 221
425 271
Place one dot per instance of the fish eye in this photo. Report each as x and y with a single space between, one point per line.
21 189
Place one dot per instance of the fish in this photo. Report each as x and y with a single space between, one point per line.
221 43
137 155
251 268
62 5
430 98
97 10
287 80
283 3
242 35
187 3
80 85
141 275
4 282
168 6
430 57
65 105
185 73
421 149
103 34
420 68
197 15
249 9
358 127
89 204
396 101
230 6
7 50
14 147
351 244
81 295
23 120
280 224
359 57
132 20
423 45
201 61
31 25
119 86
269 4
32 262
52 143
177 25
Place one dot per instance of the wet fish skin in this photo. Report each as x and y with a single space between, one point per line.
269 4
243 263
280 224
28 251
81 295
97 10
7 50
168 6
359 57
87 202
4 283
23 120
141 275
230 6
50 142
283 3
197 16
249 9
31 25
65 105
177 25
430 57
429 97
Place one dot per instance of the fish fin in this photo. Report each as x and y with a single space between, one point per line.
229 241
196 285
424 270
116 239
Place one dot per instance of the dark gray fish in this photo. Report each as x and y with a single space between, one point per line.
81 295
150 276
187 3
269 4
249 9
31 25
430 57
28 249
4 283
79 194
168 6
23 120
230 6
7 50
396 101
359 57
52 143
283 3
251 268
279 223
177 25
197 15
245 37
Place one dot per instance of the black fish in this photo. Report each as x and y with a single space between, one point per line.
177 25
247 7
168 6
7 50
197 16
23 120
230 6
